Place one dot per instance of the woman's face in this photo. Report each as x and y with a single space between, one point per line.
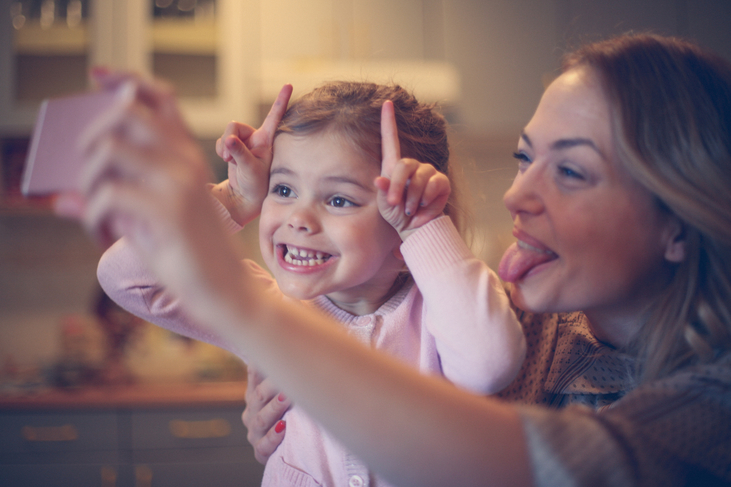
589 237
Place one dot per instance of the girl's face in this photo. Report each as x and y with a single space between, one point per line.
320 230
589 237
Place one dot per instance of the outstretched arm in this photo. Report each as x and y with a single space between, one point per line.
143 181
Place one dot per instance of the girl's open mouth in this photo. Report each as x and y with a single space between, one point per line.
303 257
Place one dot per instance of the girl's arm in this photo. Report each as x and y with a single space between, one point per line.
126 279
480 342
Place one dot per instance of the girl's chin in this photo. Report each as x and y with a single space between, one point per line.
296 291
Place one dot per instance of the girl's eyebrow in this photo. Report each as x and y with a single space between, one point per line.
332 179
348 180
563 144
281 170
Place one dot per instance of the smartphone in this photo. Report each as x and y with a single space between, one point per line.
54 161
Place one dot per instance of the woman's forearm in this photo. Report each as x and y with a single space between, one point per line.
411 429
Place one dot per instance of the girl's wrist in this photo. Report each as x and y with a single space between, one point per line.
240 210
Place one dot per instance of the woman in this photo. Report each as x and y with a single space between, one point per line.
622 211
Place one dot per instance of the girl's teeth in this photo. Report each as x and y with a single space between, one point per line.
304 257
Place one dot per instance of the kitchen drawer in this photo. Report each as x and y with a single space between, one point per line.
81 475
193 474
40 433
212 428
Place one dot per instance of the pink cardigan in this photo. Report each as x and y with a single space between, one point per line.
456 322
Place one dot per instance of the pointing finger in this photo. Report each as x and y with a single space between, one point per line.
390 147
276 112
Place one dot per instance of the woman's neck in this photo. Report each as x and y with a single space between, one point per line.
616 329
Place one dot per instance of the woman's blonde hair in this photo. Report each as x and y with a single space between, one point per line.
672 104
353 110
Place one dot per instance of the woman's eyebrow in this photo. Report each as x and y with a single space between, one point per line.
563 144
578 141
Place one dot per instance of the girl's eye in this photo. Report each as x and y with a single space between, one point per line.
340 202
282 191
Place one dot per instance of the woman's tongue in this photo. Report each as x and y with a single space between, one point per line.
518 260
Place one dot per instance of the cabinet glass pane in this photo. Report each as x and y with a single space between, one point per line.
184 45
50 47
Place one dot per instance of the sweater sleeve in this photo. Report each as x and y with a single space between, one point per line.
127 281
480 342
672 432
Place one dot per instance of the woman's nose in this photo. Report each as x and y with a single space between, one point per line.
524 195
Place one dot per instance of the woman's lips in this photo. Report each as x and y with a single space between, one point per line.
520 258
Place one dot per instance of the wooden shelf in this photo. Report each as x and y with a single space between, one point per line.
184 36
169 36
58 39
130 397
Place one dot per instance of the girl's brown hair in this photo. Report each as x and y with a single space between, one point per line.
353 110
672 116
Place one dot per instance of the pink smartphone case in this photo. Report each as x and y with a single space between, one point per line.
54 159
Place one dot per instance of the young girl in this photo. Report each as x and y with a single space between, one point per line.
341 214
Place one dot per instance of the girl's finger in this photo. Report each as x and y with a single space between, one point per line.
276 112
390 147
234 129
436 191
417 184
401 174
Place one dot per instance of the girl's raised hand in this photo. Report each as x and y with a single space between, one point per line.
248 152
410 193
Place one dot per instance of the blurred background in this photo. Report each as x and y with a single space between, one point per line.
485 62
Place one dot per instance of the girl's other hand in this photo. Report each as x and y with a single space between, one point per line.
411 193
248 152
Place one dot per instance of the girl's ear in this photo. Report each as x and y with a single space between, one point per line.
675 240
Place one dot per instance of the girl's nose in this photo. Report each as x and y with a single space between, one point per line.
524 195
303 219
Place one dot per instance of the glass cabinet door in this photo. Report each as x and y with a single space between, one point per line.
50 48
208 50
184 46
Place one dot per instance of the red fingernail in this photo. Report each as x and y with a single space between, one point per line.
281 424
281 397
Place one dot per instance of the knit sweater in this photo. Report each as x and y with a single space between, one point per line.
454 319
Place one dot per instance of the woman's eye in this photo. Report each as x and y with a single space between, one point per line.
340 202
569 173
282 191
521 157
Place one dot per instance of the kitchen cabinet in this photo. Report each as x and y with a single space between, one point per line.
117 441
207 55
227 60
